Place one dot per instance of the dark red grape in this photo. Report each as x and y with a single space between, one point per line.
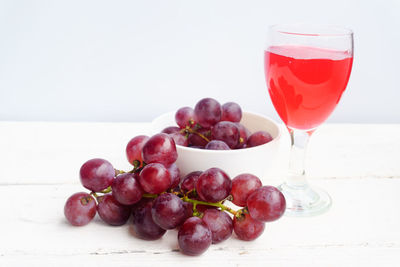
180 139
138 205
185 117
258 138
194 237
168 211
97 174
171 129
213 185
217 145
160 148
80 209
242 186
226 131
266 204
175 175
231 112
196 140
208 112
247 228
188 209
126 189
134 149
220 224
189 181
244 133
111 211
155 178
143 225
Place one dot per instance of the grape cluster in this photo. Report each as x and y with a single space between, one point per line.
211 125
158 199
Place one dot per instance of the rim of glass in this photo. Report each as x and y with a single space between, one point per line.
310 30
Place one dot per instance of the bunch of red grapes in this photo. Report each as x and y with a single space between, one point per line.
211 125
157 198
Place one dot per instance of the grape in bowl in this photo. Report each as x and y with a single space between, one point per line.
256 160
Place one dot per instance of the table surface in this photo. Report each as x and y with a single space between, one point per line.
358 164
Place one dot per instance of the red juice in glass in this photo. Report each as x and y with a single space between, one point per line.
306 83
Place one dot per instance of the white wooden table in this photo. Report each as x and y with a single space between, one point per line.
359 165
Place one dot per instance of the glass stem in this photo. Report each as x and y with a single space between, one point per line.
296 178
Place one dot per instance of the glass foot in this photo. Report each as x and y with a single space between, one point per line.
305 201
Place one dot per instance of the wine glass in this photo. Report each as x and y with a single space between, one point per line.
306 70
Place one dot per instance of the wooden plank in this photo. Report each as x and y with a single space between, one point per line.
360 229
52 153
330 257
355 150
356 164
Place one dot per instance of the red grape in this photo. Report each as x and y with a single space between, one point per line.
171 129
171 203
194 237
196 140
247 228
188 209
111 211
80 209
258 138
266 204
213 185
220 224
242 186
143 225
180 139
160 148
231 112
217 145
185 117
155 178
126 189
244 133
208 112
189 181
175 175
134 149
97 174
226 131
168 211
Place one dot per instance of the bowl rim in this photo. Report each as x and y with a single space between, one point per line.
231 151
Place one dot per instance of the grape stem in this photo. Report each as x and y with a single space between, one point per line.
190 130
96 197
150 195
118 172
106 191
217 204
241 140
184 198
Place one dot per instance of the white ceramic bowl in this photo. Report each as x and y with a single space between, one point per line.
255 160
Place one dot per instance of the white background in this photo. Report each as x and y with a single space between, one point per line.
133 60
